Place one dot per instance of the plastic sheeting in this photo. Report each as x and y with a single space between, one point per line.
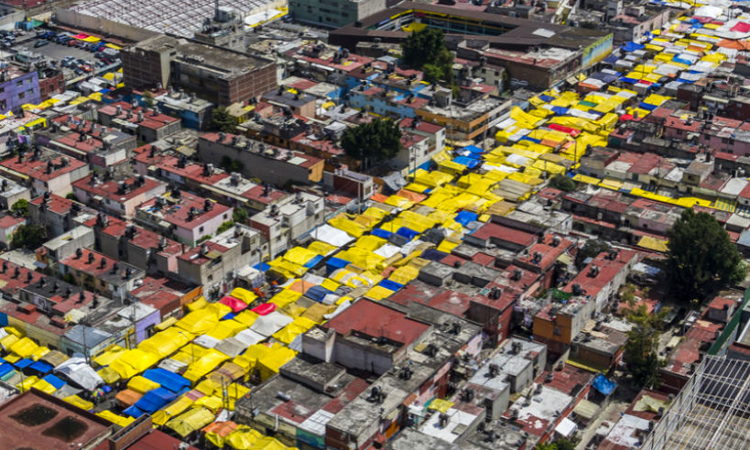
175 408
167 379
190 421
603 385
133 362
80 373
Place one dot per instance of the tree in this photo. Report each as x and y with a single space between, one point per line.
224 227
425 50
222 121
378 140
559 444
240 215
562 183
590 249
231 165
148 99
29 236
640 353
701 257
21 207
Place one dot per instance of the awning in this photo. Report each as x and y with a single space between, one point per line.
566 427
586 409
77 371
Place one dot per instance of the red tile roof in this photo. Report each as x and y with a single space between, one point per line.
506 234
94 268
181 216
43 170
375 320
608 268
150 119
9 221
110 189
56 204
191 171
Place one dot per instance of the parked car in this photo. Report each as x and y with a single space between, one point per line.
41 43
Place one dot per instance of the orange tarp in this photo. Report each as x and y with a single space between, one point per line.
737 45
413 196
380 198
128 396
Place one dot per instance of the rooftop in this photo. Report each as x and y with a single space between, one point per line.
39 421
375 320
225 64
48 166
117 191
177 210
127 113
102 267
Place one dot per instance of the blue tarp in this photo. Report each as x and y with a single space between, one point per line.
466 217
54 381
611 59
5 369
546 98
391 285
647 107
263 267
314 262
605 77
632 46
628 80
381 233
473 149
466 161
559 110
229 316
336 263
603 385
23 363
154 400
41 367
133 411
408 233
317 293
531 139
168 380
681 61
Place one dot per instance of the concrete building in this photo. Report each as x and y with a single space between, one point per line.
187 217
224 30
17 88
271 164
65 245
218 75
45 171
57 214
101 274
216 261
148 125
11 192
194 112
120 198
288 220
334 13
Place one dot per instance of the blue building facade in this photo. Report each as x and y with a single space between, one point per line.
18 88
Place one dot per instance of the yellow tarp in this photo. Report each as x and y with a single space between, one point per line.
211 402
206 363
166 342
246 317
652 243
299 255
8 341
44 386
440 405
142 385
190 421
198 304
378 293
24 348
243 438
244 295
27 383
110 355
79 402
114 418
133 362
198 322
109 375
321 248
226 329
270 363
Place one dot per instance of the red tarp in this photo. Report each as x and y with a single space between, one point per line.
571 131
234 303
264 309
742 27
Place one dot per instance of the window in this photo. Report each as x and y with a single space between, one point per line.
21 95
200 230
19 83
226 216
558 331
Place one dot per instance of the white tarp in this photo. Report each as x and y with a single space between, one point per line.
271 323
80 373
387 250
249 337
231 347
206 341
566 427
341 308
331 235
